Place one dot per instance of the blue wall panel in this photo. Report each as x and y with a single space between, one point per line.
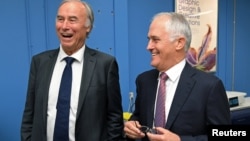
242 49
225 42
121 47
14 68
102 36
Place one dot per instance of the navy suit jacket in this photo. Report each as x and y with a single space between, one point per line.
200 100
99 114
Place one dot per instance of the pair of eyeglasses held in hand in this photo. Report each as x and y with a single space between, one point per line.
146 129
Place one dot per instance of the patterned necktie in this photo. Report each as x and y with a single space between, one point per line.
61 132
160 103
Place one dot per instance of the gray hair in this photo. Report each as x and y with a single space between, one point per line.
177 26
89 11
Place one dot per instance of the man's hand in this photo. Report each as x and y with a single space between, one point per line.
131 129
163 135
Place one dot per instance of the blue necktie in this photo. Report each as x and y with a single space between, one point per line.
61 131
160 103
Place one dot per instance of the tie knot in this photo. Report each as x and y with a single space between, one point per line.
163 76
69 60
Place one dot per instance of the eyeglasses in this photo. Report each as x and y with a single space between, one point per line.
146 129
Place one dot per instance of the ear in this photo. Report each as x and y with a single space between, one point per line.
180 43
88 29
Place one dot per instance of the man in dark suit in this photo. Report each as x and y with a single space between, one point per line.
95 105
194 99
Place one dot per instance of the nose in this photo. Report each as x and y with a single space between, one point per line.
150 45
65 24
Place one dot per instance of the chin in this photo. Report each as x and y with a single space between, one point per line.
153 64
67 45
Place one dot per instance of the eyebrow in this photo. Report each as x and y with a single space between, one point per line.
59 16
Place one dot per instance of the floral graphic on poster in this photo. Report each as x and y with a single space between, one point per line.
202 17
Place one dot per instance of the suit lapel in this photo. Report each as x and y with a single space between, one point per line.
181 94
88 67
48 68
152 95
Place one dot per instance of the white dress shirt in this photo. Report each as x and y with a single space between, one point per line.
77 67
171 85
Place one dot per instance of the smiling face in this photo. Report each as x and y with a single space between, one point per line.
71 26
165 52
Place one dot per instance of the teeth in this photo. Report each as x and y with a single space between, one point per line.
65 34
154 53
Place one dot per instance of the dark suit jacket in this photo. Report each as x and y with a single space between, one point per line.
99 113
200 100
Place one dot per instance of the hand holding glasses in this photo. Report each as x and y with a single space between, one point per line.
146 129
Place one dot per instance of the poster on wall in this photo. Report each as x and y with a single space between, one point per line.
202 17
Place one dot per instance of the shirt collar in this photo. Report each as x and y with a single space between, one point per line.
175 72
77 55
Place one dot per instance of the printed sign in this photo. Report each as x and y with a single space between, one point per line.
202 17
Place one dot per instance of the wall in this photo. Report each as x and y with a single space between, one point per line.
233 66
27 28
240 56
